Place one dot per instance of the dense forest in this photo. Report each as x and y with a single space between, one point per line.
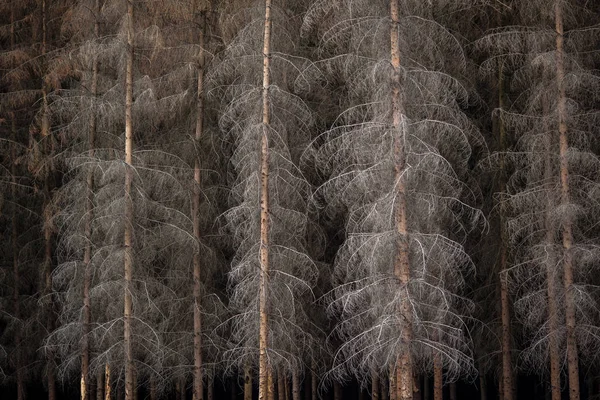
299 199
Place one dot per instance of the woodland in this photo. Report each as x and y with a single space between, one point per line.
300 199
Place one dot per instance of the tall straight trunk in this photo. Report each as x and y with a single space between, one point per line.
270 385
453 394
128 234
280 384
100 385
107 383
404 373
384 388
437 377
337 391
15 233
483 387
313 383
417 388
507 376
374 385
45 131
211 387
295 386
89 209
263 340
286 388
392 385
567 227
153 395
551 271
198 390
247 383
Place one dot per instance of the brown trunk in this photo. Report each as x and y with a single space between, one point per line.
271 385
198 390
280 384
417 388
128 235
107 383
313 384
392 385
384 388
153 388
438 383
507 377
15 234
211 387
295 386
404 372
482 387
247 383
567 228
89 209
374 385
100 385
263 364
426 389
453 395
337 391
286 387
551 279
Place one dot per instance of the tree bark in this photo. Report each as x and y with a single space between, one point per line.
404 372
551 271
374 385
264 367
384 388
198 391
482 387
247 383
211 387
438 383
15 233
567 227
295 386
337 391
107 383
100 385
507 377
417 388
392 385
426 389
280 384
453 394
128 235
313 383
89 209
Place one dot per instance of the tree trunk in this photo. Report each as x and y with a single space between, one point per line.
482 387
453 395
89 209
280 384
404 372
128 235
198 390
567 228
295 386
107 383
392 385
263 373
313 383
507 377
438 383
417 388
337 391
374 385
100 385
247 383
551 278
211 387
153 388
15 233
384 388
271 385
